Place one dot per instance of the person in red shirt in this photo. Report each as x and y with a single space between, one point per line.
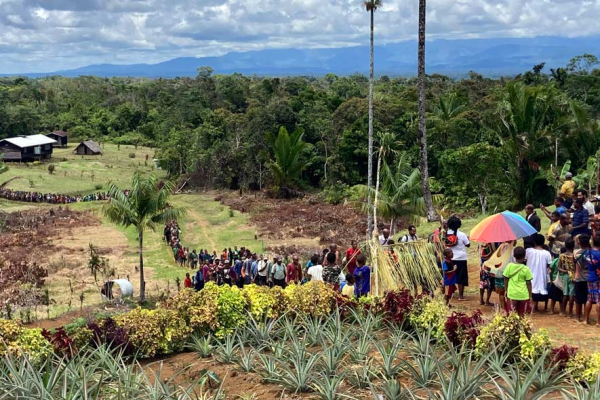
188 281
294 271
351 255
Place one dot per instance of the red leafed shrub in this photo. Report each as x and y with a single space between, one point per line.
397 305
107 332
461 328
61 342
344 304
561 355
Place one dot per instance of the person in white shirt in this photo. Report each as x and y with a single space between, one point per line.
384 237
412 235
538 261
316 273
459 249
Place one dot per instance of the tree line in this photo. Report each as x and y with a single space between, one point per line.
492 143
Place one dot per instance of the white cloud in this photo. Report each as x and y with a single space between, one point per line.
46 35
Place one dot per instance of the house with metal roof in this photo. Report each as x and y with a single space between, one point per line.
61 138
27 148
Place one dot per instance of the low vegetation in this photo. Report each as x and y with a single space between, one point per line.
303 339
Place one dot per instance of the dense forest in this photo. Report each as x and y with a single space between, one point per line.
492 142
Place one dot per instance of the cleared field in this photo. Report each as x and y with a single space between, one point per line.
76 174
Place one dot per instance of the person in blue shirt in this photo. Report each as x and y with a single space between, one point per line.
592 258
362 274
580 219
237 267
560 208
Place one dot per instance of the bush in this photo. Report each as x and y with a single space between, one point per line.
51 168
18 341
261 300
131 155
534 346
153 332
314 299
461 328
429 314
62 344
397 305
107 332
561 356
504 333
98 186
336 193
231 310
82 337
584 368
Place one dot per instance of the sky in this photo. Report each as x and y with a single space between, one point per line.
50 35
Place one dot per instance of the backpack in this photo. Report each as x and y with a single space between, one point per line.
450 240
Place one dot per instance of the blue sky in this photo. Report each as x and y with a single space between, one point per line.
49 35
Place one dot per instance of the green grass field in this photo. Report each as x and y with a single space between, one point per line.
75 174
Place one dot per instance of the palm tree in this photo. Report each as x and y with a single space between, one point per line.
399 195
371 6
447 108
289 163
430 211
525 130
387 145
146 205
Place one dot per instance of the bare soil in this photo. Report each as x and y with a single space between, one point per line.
298 225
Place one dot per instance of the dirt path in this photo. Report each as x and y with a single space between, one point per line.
191 234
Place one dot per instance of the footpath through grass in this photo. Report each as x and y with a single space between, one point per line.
75 174
207 225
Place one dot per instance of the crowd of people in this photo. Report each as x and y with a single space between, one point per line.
348 272
52 198
560 266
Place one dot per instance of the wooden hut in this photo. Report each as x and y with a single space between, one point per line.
88 148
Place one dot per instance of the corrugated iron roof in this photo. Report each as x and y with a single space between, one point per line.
29 141
59 133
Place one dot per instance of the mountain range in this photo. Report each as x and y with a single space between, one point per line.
490 57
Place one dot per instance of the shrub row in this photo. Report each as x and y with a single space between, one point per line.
221 310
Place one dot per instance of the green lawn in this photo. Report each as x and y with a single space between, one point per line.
81 174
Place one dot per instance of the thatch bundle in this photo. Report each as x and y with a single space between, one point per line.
405 266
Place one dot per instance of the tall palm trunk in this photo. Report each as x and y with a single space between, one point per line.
429 210
375 203
142 282
370 161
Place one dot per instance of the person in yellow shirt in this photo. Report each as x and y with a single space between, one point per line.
567 189
348 289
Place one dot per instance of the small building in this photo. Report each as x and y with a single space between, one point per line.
27 148
61 138
88 148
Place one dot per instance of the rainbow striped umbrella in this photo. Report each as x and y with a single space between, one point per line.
502 227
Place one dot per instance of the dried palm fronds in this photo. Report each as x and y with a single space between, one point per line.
405 266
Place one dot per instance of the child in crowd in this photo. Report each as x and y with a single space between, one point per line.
187 281
566 268
348 289
517 283
449 269
362 274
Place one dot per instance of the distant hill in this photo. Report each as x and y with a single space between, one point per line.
490 57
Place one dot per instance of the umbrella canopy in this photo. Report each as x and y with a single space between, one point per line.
502 227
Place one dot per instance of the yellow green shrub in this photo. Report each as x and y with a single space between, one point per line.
429 314
154 332
20 341
313 298
534 346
